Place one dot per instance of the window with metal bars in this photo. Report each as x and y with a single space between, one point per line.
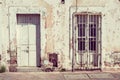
87 34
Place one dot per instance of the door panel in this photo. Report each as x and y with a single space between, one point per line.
28 44
32 45
22 41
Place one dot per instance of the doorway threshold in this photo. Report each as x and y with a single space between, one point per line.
29 69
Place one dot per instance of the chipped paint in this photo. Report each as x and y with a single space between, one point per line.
56 28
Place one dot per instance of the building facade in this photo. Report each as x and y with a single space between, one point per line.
71 34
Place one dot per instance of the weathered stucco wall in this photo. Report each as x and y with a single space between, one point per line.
110 28
56 23
54 27
110 33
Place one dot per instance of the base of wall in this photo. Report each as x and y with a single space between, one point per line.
110 69
28 69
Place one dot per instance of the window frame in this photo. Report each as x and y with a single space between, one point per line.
97 30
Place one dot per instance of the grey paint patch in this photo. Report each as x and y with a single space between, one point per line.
76 76
101 75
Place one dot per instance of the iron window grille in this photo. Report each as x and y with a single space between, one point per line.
87 38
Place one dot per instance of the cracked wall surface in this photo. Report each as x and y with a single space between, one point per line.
56 28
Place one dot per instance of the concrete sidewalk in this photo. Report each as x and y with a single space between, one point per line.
59 76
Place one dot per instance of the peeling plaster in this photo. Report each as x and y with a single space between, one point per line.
55 23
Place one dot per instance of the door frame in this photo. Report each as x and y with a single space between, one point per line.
37 34
12 21
74 38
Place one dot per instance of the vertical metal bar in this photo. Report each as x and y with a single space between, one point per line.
93 40
98 33
100 26
96 39
73 42
100 39
78 25
87 38
80 42
76 37
89 42
82 38
39 22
